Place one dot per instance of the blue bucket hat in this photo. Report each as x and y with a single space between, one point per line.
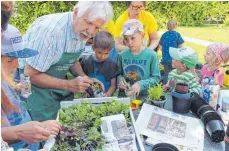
12 44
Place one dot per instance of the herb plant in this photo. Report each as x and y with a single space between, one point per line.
155 93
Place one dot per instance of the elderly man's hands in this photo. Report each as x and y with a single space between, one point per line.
33 132
78 84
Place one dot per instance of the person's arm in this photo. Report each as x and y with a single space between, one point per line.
195 74
152 31
219 76
78 84
77 70
120 73
119 45
194 86
180 41
112 88
155 75
154 40
30 132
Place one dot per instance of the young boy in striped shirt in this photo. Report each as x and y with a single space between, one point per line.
184 59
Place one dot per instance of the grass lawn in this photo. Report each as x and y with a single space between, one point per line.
199 49
208 32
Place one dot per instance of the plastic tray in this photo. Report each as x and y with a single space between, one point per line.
96 101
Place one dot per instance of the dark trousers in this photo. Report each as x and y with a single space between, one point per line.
167 69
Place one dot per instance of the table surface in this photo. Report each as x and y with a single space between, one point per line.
208 144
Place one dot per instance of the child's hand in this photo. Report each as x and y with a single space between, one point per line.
165 88
106 95
122 85
86 95
99 82
18 88
134 90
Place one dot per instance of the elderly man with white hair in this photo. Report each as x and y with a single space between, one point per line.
60 38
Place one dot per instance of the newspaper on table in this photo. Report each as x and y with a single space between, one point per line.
116 134
160 125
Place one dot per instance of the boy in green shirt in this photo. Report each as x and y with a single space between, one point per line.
184 59
137 65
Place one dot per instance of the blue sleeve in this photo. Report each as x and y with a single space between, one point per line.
161 40
180 39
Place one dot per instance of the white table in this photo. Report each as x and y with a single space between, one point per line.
208 144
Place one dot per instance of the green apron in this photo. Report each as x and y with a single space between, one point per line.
43 104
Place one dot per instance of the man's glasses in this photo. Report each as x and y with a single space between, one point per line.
138 7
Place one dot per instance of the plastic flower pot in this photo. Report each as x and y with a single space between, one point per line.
215 129
181 102
181 88
227 138
164 147
160 103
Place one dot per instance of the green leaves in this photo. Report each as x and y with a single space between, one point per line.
154 93
188 13
81 125
26 12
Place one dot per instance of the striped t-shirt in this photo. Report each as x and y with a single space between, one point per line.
185 77
51 35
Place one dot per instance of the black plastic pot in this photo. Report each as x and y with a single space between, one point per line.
160 103
210 118
181 102
121 93
215 129
227 139
227 129
164 147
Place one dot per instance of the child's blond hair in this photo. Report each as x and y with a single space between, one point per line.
172 24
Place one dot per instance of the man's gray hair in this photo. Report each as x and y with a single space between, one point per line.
99 9
103 40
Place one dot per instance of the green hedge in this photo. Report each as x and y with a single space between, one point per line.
187 13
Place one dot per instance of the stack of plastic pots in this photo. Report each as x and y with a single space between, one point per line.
181 98
227 139
164 147
211 119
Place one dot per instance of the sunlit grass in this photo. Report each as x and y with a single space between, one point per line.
210 33
199 49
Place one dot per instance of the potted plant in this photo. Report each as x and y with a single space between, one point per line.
95 91
181 98
155 95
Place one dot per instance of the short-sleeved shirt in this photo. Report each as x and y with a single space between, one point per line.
14 118
169 39
51 35
145 17
101 70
